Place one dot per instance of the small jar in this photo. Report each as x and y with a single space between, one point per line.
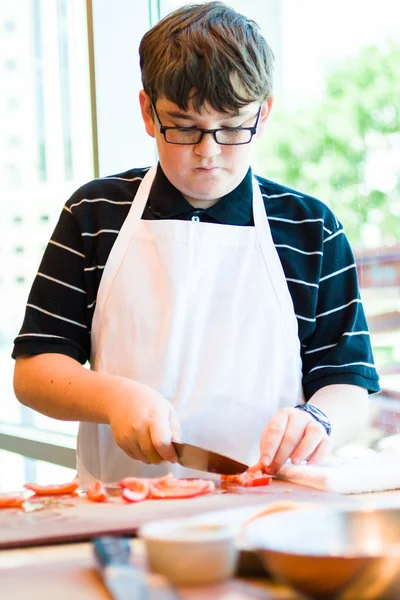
189 553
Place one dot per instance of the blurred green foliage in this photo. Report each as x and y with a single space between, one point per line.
345 148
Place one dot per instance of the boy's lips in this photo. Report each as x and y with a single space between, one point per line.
207 169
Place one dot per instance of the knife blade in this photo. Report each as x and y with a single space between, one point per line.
194 457
123 579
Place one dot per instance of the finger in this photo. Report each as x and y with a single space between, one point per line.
272 436
153 456
257 467
131 448
161 436
175 426
292 437
146 446
321 452
313 435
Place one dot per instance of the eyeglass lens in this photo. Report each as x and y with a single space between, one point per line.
222 136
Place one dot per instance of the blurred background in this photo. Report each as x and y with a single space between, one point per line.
69 81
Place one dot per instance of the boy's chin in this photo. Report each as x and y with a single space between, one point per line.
213 191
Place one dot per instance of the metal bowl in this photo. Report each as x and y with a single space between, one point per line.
333 553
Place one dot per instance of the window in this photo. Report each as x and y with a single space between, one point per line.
9 26
10 64
52 154
14 140
68 137
12 103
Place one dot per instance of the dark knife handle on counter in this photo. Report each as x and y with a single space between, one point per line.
112 550
113 555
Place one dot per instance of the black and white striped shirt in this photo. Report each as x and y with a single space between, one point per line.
312 246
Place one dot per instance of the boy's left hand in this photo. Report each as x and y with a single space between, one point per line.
291 433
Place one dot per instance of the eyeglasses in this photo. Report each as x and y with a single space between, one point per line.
227 136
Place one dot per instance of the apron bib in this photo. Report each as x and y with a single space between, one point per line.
202 313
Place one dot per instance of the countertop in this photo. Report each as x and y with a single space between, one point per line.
67 570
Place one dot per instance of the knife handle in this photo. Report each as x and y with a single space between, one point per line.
110 550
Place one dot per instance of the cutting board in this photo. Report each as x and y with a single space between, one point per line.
76 519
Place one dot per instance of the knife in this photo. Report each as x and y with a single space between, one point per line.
124 580
201 459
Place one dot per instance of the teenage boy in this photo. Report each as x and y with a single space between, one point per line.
208 301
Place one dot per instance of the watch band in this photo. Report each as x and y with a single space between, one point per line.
318 415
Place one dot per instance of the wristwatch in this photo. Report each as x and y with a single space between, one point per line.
318 415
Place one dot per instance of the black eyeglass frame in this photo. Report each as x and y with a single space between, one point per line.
164 129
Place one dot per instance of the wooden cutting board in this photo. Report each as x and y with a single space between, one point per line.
76 519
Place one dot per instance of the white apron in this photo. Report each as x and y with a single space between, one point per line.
202 313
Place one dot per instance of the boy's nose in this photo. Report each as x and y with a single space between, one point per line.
207 146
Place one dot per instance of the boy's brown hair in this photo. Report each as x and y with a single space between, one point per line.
206 53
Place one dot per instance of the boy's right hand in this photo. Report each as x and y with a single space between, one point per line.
143 422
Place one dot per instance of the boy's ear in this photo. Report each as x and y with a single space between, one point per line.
265 112
147 112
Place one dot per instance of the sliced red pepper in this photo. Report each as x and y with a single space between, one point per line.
12 501
180 488
52 490
137 490
211 486
248 479
229 478
258 481
96 492
131 482
255 479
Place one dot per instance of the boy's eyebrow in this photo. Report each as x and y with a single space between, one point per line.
181 115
